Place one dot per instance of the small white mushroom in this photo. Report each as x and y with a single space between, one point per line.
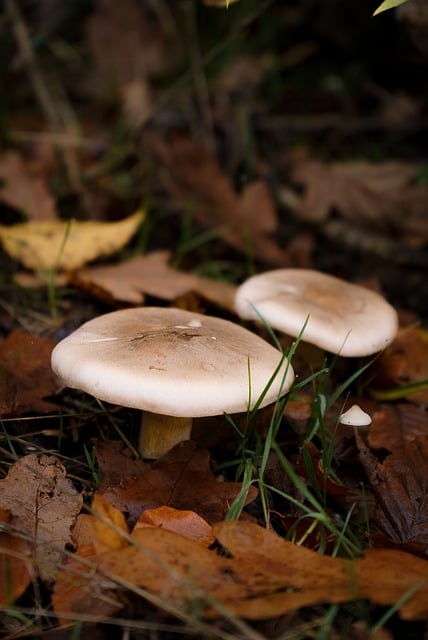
174 365
355 417
340 317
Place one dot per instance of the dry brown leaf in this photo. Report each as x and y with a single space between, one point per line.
181 479
43 246
26 377
399 481
44 504
164 562
128 281
262 575
404 362
379 195
394 424
379 575
24 189
247 222
187 523
15 562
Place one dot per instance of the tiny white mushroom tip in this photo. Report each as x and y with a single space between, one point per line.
355 417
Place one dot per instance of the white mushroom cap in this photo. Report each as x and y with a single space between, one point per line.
172 362
341 317
355 417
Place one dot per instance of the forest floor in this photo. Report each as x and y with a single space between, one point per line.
159 154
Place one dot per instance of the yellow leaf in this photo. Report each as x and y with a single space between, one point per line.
66 245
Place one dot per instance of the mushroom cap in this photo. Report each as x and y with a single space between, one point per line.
172 362
355 417
341 317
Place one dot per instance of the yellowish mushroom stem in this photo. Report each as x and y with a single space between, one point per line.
159 433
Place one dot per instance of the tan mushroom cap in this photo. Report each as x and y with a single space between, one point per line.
172 362
341 317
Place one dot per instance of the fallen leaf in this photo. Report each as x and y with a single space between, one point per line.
103 529
301 576
128 281
378 195
24 189
187 523
394 424
43 246
26 377
181 479
261 576
401 371
15 561
95 533
399 481
116 462
248 222
45 504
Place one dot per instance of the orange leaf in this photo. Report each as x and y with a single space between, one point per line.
15 563
187 523
101 530
262 575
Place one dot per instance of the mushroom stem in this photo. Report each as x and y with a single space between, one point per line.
159 433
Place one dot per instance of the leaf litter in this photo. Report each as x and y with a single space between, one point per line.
182 479
169 516
261 576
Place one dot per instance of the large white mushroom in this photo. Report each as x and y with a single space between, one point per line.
174 365
333 314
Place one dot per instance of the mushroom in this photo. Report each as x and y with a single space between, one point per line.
174 365
355 417
333 314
